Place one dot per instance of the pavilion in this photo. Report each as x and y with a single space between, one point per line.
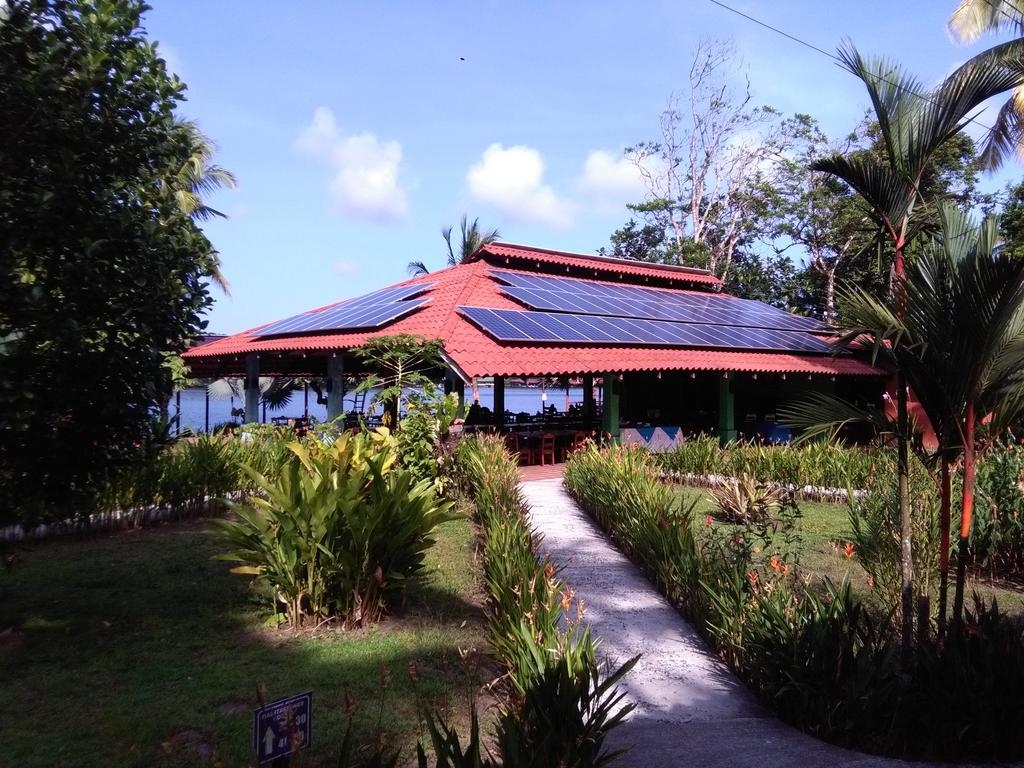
665 345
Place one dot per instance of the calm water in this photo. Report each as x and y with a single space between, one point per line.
517 399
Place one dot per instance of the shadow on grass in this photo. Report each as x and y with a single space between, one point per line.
139 649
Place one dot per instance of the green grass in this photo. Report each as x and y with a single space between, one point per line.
822 524
138 649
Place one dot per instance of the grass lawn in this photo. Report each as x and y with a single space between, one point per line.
138 649
820 525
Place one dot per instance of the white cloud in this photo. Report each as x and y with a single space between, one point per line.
344 267
608 175
366 169
512 180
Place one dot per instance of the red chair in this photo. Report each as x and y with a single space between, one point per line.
578 440
547 449
512 443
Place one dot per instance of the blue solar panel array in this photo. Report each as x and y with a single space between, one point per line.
580 296
373 310
524 325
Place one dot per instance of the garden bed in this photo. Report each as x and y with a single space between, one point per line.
137 648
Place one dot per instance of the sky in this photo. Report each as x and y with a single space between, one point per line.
358 130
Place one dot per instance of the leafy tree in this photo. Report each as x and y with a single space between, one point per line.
103 271
398 363
472 239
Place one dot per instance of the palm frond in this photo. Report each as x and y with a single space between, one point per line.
1005 137
417 269
822 415
974 18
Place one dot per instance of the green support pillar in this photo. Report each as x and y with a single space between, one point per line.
588 401
726 411
252 388
335 387
610 414
499 402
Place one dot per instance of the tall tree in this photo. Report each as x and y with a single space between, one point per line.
472 239
103 273
196 178
704 174
914 125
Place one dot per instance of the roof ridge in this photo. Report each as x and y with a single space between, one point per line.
600 258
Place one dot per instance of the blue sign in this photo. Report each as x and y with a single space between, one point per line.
282 727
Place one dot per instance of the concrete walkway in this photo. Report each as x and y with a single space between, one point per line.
691 710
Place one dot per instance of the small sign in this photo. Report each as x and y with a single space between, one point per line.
282 727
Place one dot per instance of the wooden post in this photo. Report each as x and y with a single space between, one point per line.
252 388
207 419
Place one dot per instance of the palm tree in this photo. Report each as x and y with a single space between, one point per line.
472 240
914 124
971 20
956 332
197 177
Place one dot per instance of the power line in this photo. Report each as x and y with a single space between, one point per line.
822 51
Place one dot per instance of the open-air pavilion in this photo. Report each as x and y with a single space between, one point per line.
660 351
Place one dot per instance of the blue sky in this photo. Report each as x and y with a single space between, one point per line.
356 131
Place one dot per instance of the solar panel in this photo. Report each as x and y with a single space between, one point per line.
559 294
373 310
524 325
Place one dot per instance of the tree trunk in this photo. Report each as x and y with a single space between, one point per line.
945 514
906 530
830 295
965 517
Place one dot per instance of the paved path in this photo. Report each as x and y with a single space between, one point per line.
691 710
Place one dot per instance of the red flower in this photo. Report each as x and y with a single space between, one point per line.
848 550
708 520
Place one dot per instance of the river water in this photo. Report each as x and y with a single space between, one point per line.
517 399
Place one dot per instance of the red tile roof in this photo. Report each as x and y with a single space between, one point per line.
477 354
602 267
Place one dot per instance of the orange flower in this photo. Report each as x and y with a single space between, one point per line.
566 599
776 563
549 571
848 550
752 576
785 569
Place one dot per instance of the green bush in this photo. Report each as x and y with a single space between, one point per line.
997 532
823 662
821 465
564 703
339 531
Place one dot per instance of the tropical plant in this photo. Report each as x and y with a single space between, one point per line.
744 500
472 239
914 125
339 532
398 363
564 703
971 20
422 440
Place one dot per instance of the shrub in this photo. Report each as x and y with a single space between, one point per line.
997 533
820 464
875 526
339 531
564 703
744 500
823 662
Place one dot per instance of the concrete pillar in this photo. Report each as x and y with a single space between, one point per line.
726 411
335 387
588 400
499 402
610 414
252 388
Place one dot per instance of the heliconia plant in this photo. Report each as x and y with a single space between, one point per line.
339 532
